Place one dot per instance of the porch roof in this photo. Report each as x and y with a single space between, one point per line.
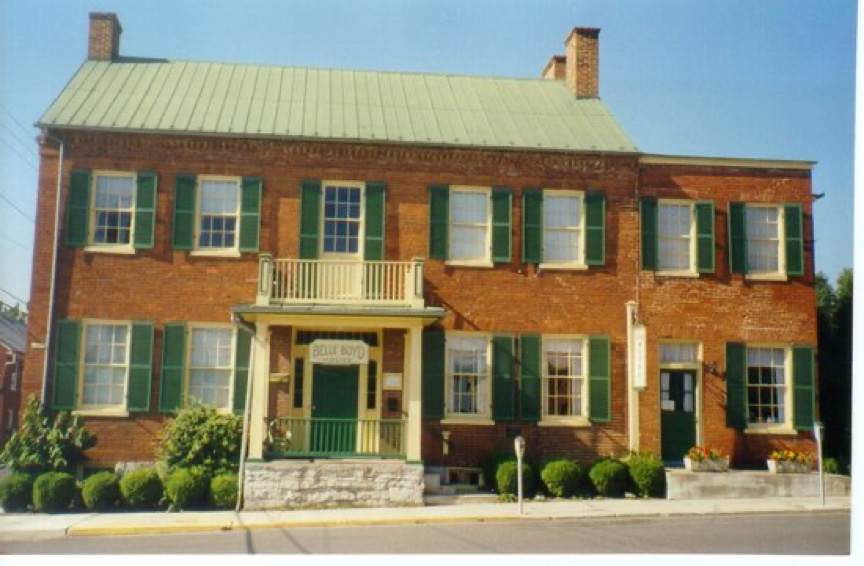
427 314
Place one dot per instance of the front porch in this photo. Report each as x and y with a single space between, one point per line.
290 437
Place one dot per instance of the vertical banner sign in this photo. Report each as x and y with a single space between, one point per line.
640 379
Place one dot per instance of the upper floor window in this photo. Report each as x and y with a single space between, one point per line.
675 237
218 211
113 210
342 218
468 380
563 378
470 222
563 221
764 239
105 366
211 364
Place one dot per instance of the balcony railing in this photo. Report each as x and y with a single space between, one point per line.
301 437
337 282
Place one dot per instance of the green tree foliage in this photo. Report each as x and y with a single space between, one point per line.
202 437
41 445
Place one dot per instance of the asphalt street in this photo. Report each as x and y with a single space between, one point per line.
813 534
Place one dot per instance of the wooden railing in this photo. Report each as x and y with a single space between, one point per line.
300 437
297 281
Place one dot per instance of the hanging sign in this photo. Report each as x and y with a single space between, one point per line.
338 352
640 380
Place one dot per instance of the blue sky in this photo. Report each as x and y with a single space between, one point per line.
737 78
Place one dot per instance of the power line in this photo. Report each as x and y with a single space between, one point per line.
17 243
23 129
14 206
17 137
19 299
23 158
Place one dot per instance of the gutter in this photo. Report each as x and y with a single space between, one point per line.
244 444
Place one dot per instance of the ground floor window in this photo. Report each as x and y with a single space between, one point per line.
106 365
766 385
563 377
211 355
467 374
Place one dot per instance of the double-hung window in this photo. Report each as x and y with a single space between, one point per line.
218 212
563 223
468 380
764 239
767 388
470 222
342 218
676 237
211 364
563 378
105 366
113 212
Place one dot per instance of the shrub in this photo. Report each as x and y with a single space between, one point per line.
835 466
507 481
101 491
647 474
53 491
141 488
16 492
489 470
187 487
223 491
562 478
41 445
202 437
609 478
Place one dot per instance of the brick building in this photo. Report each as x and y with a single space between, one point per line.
13 331
411 266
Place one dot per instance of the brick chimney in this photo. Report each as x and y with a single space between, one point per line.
105 30
582 68
555 68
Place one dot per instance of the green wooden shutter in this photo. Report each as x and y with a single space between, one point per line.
532 226
433 373
241 368
794 222
376 213
250 214
78 208
183 230
66 365
704 211
737 237
804 374
736 385
310 215
502 225
648 214
145 210
140 367
439 220
173 367
530 366
503 379
599 379
595 228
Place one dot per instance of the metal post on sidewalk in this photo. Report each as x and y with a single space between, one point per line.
819 432
519 445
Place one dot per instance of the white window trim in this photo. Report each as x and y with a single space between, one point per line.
481 262
693 271
92 246
787 427
558 420
187 370
361 232
779 275
697 387
481 418
218 252
101 410
580 263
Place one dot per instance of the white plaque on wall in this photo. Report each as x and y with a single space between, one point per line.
640 380
338 352
393 381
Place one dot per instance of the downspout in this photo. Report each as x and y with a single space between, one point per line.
244 445
56 245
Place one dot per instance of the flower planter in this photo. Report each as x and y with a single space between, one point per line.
707 465
787 467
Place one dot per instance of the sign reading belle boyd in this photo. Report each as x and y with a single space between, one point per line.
338 352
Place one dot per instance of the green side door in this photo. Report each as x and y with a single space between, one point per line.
677 414
334 409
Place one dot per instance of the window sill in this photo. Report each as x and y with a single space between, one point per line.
215 253
480 421
565 422
686 274
766 277
781 430
470 263
101 412
563 266
119 250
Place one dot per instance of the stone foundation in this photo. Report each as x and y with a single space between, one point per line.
291 484
737 484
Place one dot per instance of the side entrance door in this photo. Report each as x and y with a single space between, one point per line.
334 409
677 416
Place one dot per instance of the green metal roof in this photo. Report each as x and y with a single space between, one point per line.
297 102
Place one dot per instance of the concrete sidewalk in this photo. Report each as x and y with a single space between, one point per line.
35 526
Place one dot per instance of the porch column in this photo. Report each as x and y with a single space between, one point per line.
260 391
413 364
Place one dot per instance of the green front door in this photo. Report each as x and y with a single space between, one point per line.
334 408
677 413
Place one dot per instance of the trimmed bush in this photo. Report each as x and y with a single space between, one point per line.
16 492
490 468
53 491
647 475
609 478
101 491
562 478
187 488
223 491
507 480
141 488
201 436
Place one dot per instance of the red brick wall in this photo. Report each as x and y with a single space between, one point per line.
163 285
9 399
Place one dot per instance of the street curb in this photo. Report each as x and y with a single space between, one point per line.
234 525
